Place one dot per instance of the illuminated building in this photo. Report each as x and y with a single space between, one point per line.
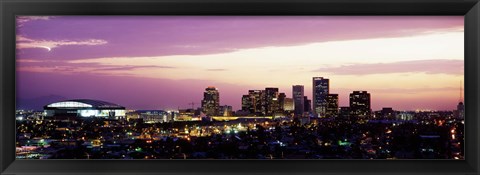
320 91
461 110
184 115
360 104
84 108
298 99
211 101
254 102
405 116
332 105
132 115
226 110
247 105
154 116
271 101
288 104
263 102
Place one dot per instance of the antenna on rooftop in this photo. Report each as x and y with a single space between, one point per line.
461 92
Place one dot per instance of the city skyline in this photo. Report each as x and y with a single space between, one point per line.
170 60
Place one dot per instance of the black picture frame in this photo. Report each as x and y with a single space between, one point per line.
10 8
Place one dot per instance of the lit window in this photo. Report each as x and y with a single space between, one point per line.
69 104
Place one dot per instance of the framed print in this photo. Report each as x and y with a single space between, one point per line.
279 87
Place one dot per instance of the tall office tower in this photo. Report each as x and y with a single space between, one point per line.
271 101
461 110
332 105
344 112
298 101
307 104
288 105
257 102
247 103
211 101
281 101
461 106
360 104
321 87
225 110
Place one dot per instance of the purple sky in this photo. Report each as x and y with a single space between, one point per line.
154 36
47 48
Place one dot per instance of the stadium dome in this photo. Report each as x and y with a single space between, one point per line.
84 108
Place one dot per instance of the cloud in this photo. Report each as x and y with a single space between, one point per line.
216 69
68 67
21 20
454 67
25 43
124 68
146 36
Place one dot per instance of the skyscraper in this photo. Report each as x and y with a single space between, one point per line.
307 104
225 110
461 110
332 105
360 104
254 102
247 103
298 99
281 101
320 90
271 101
460 107
211 101
288 105
344 112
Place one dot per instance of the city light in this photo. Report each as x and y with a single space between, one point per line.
219 93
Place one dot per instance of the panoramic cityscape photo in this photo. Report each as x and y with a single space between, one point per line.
240 87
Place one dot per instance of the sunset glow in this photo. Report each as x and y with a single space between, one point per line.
406 63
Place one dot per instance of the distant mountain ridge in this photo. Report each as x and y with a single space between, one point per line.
39 102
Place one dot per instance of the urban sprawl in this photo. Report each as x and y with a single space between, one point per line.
269 125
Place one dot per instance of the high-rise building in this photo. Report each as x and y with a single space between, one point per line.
307 104
271 101
360 104
461 110
264 102
211 101
320 91
247 103
281 101
344 112
225 110
332 105
288 105
254 102
298 99
460 107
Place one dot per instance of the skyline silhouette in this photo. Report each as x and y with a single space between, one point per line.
154 62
